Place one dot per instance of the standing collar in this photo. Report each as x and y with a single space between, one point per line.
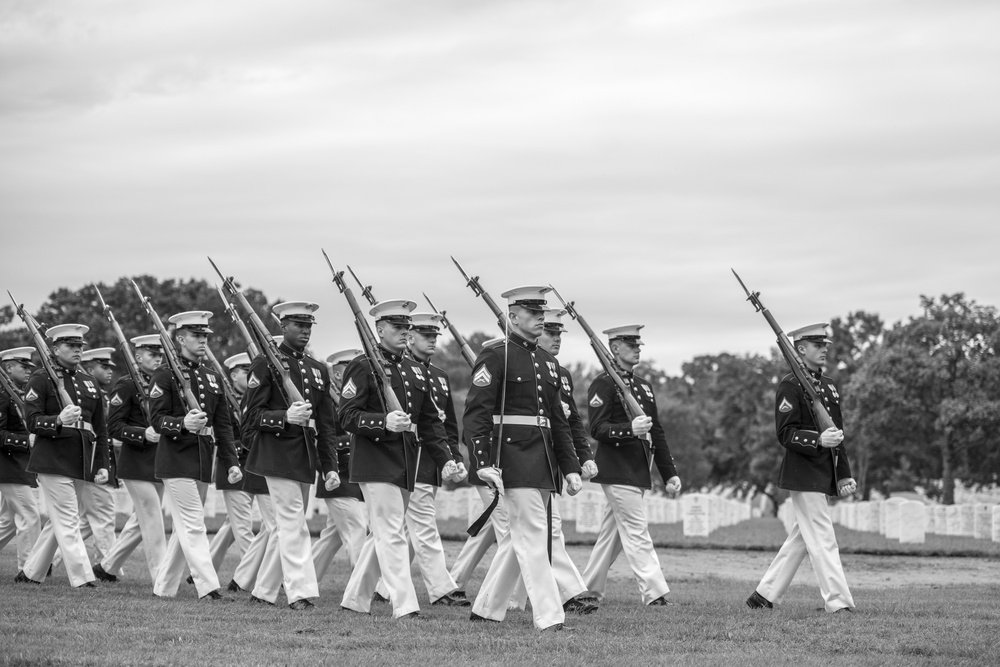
521 341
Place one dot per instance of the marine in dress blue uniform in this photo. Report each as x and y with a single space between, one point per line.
128 425
71 449
19 517
385 453
814 466
519 441
624 461
346 519
190 439
293 443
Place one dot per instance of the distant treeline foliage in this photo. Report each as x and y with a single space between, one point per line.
921 398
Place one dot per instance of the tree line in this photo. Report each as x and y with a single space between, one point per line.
921 397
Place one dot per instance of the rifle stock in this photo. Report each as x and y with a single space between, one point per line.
44 355
794 361
127 354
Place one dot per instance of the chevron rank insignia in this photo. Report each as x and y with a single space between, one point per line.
31 395
155 391
350 390
596 401
116 400
784 406
253 381
482 377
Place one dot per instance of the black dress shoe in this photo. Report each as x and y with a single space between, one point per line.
559 627
412 614
458 595
449 600
190 579
89 584
301 605
22 578
591 599
49 573
233 587
379 598
758 601
103 575
662 601
578 606
256 600
355 611
476 617
215 596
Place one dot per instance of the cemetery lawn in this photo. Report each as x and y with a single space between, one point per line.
913 610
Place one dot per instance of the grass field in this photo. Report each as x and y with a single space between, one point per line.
919 621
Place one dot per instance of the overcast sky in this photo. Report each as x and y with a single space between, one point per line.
842 155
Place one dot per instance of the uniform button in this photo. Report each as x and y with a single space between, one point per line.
508 439
201 395
539 387
406 384
518 379
536 365
539 377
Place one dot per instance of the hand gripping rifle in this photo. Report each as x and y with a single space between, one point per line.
794 361
632 407
170 356
253 349
463 346
368 342
290 392
44 355
478 290
126 351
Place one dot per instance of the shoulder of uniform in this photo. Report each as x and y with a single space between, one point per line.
85 376
546 355
493 343
601 379
436 370
789 378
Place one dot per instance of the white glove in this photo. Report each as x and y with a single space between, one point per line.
70 415
461 474
152 435
565 407
673 485
641 426
492 477
101 477
831 437
195 420
589 470
397 421
332 480
235 474
299 413
454 472
847 487
575 483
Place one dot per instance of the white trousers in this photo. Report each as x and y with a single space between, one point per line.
236 529
812 533
568 577
63 497
346 524
188 540
384 553
625 528
294 566
253 558
475 548
425 547
99 514
145 527
19 518
523 552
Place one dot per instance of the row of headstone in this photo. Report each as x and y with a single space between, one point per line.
910 521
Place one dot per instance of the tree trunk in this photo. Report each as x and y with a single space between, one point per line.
947 470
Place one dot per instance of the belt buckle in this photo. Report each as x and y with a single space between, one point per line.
541 421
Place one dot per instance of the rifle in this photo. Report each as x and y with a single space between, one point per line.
170 356
44 355
795 363
478 290
227 386
7 384
632 407
463 346
253 350
390 403
127 355
290 393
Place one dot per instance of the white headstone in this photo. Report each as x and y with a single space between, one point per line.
968 520
672 510
996 523
941 519
953 515
567 507
891 508
911 522
590 507
984 521
696 509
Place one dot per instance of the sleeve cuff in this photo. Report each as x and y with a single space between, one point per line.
47 426
16 441
272 421
806 439
620 432
479 452
172 426
134 435
371 424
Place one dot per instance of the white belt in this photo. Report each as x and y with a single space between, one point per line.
208 430
83 426
522 420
